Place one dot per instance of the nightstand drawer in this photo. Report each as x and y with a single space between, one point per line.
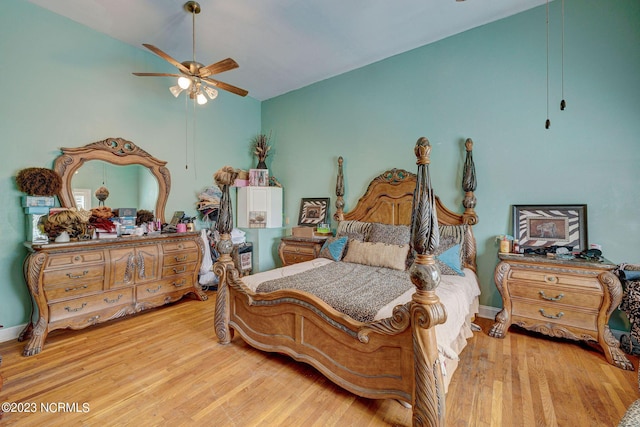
554 278
558 294
299 250
554 314
294 258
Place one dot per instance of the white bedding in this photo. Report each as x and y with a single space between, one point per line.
458 294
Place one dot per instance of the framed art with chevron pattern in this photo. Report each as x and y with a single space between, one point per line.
313 211
539 226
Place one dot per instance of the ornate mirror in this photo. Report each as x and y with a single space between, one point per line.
113 160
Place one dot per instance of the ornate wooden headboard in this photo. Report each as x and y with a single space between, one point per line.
389 198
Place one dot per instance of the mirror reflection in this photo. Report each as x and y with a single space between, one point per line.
128 185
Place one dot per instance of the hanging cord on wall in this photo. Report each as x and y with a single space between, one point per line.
547 124
563 104
186 130
193 133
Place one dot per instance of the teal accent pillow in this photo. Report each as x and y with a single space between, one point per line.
449 261
333 248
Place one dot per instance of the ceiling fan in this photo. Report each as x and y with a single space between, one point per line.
195 77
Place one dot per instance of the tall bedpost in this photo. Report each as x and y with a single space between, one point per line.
469 184
224 178
426 309
339 215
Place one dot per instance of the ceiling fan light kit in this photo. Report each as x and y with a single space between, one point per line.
195 78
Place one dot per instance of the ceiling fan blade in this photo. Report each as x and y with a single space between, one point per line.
225 86
157 74
218 67
167 58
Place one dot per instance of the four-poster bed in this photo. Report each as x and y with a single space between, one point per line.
396 355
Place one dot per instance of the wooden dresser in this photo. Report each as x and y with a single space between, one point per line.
561 298
79 284
293 249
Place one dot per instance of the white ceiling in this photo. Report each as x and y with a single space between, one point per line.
283 45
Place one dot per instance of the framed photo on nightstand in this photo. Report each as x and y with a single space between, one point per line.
539 226
313 211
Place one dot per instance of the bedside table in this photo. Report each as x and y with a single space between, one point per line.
293 250
570 299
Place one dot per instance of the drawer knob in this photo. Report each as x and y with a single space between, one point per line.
113 301
76 288
77 276
551 316
550 279
73 310
556 298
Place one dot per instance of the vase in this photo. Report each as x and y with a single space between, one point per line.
261 165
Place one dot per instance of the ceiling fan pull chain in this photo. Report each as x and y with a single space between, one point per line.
547 123
563 103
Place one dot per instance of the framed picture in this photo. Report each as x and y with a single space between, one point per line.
537 226
313 211
258 177
257 219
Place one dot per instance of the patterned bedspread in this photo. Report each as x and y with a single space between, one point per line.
356 290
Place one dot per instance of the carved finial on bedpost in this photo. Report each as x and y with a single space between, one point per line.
339 215
469 184
224 178
426 309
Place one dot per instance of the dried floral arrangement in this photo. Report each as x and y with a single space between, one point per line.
39 182
260 146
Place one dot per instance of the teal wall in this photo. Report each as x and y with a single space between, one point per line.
64 85
487 84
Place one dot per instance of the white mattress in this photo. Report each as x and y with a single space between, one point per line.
459 294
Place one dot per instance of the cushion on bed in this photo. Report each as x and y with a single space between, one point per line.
449 256
351 229
333 248
391 234
377 254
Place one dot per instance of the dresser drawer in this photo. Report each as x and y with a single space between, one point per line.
151 290
556 278
86 305
557 314
565 295
74 258
180 246
179 258
73 276
74 290
178 269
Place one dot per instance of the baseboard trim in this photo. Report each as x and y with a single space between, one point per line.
12 333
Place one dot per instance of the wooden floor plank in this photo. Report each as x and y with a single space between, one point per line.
165 367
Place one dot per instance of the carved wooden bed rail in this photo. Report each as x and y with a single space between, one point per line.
395 357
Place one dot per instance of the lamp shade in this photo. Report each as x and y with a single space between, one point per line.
184 82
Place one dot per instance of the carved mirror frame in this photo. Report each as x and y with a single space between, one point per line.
117 151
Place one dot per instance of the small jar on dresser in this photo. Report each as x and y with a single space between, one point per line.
294 249
570 299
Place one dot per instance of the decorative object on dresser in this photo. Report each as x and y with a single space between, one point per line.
313 211
293 249
571 298
538 226
82 283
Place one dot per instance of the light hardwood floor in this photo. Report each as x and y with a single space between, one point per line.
165 367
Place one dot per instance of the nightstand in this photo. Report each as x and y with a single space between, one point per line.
570 299
293 250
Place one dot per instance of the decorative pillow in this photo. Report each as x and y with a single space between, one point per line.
457 233
349 227
391 234
449 257
377 254
333 248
